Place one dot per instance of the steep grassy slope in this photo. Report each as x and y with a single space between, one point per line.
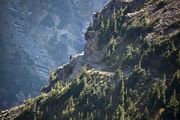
129 71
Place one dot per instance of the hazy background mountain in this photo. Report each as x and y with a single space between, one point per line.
35 36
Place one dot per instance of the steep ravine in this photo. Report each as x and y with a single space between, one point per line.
36 36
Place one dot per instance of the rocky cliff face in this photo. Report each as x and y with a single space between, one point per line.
129 70
94 52
36 36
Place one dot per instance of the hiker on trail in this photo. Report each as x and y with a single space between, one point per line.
70 57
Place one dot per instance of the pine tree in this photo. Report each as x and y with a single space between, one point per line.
146 115
92 117
117 116
108 24
70 106
122 92
52 76
176 81
114 13
71 102
163 90
110 103
173 48
121 113
118 74
131 107
114 18
58 86
102 25
115 25
174 104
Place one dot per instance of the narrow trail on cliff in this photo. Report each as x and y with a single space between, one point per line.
81 62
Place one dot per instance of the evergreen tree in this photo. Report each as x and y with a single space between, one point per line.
146 115
92 117
163 90
102 25
52 77
58 86
118 74
108 24
131 107
173 48
114 13
173 105
120 114
176 82
115 25
117 116
110 102
115 19
122 92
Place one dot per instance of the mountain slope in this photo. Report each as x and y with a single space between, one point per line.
36 36
129 70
